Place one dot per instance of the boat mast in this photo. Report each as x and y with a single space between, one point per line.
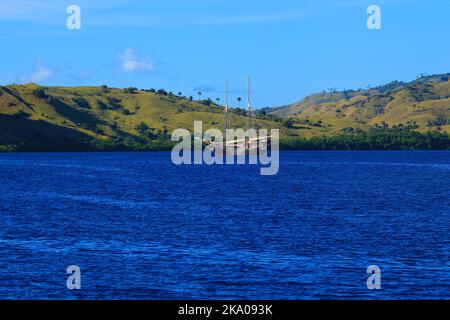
226 107
248 103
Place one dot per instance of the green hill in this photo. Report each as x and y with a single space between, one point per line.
37 118
423 104
33 117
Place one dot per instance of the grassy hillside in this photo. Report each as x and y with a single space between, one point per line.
423 104
81 118
33 117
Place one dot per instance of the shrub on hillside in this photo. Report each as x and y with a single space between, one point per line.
101 105
114 103
104 88
130 90
39 93
82 103
288 123
142 128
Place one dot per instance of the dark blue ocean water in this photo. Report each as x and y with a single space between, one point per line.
140 227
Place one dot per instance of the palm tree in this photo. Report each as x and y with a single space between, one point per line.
199 94
239 99
218 100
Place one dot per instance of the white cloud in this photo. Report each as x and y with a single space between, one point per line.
42 73
129 62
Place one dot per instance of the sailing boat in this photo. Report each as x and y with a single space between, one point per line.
238 146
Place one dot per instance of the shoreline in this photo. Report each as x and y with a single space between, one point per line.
168 151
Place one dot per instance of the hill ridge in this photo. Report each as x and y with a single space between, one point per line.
34 117
423 102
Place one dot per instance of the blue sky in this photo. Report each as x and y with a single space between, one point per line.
290 48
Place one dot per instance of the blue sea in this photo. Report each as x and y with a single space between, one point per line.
140 227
